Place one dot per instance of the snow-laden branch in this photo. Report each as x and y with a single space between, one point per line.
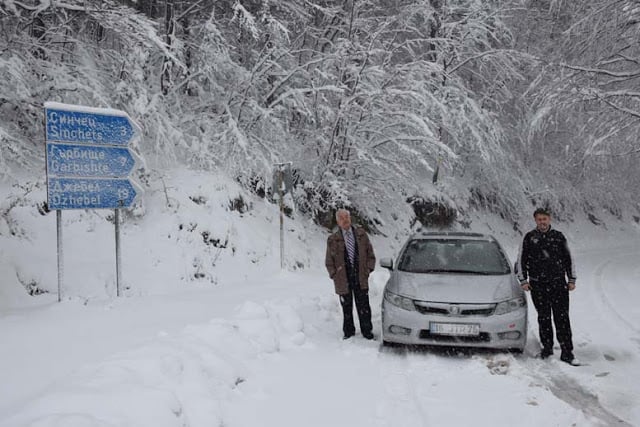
603 71
302 91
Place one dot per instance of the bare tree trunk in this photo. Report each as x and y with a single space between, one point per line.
435 28
38 31
169 26
188 54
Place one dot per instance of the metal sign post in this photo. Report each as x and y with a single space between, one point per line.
281 196
282 184
60 259
117 221
89 165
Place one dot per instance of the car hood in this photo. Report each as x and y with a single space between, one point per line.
458 288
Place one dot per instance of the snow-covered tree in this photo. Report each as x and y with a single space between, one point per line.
512 102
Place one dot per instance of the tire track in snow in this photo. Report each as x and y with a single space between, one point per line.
572 392
569 390
601 293
397 378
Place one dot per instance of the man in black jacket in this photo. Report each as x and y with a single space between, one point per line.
545 268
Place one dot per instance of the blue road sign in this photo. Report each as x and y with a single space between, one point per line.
81 160
90 193
94 126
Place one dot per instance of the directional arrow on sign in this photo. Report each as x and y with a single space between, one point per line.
91 193
102 126
83 160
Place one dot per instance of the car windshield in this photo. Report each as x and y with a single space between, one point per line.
457 256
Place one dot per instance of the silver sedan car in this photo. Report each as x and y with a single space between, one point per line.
453 289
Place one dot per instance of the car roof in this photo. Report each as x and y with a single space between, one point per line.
452 235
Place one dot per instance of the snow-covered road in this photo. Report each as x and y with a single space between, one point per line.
273 356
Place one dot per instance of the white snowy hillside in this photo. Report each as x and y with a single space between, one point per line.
210 331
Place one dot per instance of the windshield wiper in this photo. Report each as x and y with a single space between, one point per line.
446 270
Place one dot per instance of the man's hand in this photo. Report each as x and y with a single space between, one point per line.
525 286
571 286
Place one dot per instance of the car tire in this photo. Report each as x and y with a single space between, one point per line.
390 344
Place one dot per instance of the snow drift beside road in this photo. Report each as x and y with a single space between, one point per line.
211 332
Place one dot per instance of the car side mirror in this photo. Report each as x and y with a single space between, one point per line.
386 263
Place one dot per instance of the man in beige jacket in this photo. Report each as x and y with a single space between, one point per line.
349 261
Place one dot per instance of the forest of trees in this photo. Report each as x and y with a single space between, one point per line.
514 102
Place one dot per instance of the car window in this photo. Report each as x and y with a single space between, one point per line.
453 256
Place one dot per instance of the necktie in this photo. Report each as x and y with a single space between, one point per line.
351 246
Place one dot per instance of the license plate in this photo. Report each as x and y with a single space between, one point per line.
461 329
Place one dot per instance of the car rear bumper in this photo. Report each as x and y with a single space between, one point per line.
505 331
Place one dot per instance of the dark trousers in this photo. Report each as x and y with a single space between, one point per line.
551 299
362 307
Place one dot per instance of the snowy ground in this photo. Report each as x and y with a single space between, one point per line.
237 342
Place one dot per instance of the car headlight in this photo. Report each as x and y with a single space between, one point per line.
399 301
510 305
